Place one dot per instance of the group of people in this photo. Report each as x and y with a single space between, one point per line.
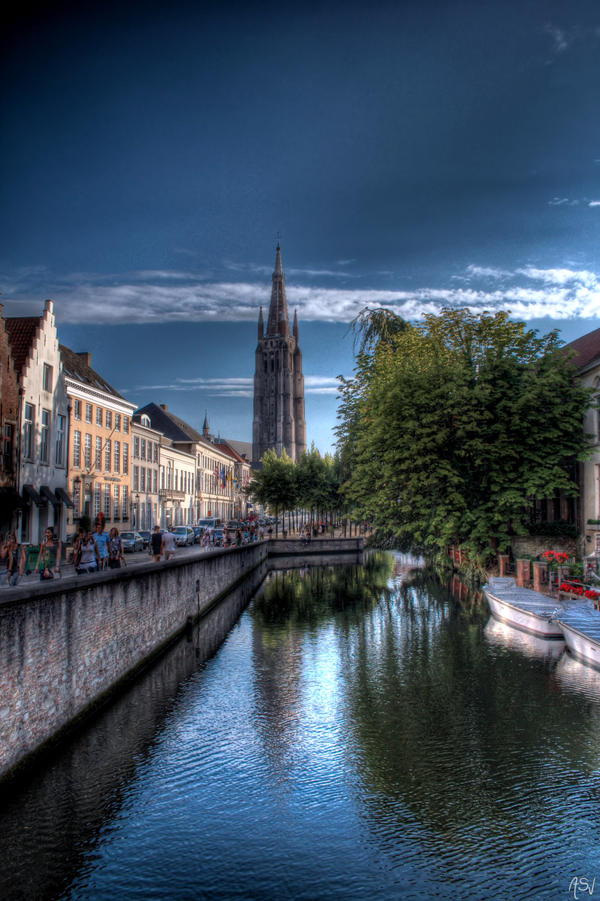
97 550
13 557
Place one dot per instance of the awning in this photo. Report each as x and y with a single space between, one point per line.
46 492
63 497
10 499
30 494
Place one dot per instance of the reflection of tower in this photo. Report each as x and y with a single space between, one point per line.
277 672
278 381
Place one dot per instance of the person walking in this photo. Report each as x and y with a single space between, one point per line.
48 561
156 544
14 556
101 539
168 545
115 549
89 558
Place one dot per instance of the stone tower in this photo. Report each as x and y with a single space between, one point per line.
278 381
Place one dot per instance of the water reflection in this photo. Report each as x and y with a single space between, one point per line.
363 732
502 635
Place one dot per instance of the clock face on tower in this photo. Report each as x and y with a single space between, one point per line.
278 383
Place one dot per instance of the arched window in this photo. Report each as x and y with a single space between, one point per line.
145 420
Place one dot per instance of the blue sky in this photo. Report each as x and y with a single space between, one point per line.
412 155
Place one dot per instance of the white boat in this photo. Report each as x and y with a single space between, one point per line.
502 635
527 610
581 629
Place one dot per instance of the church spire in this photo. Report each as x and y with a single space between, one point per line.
278 322
205 428
261 325
295 330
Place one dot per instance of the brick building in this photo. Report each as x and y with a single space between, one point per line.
10 500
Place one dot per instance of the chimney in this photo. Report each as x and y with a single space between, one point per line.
85 356
163 407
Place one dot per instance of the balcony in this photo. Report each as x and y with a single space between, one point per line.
170 494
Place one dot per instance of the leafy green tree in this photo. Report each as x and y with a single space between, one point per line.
449 428
274 486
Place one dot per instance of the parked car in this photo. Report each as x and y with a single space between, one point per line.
146 536
132 542
198 533
218 537
184 535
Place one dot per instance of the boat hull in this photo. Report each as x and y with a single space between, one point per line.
582 646
525 620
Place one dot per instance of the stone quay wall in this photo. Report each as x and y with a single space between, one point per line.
283 547
65 647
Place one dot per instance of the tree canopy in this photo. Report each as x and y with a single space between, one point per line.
450 428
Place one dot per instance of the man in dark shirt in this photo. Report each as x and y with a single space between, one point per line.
156 544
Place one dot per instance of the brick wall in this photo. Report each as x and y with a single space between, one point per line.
533 545
65 646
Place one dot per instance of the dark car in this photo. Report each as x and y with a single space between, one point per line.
184 535
146 536
198 533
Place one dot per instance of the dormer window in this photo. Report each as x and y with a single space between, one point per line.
145 420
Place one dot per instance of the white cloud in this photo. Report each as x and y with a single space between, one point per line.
232 387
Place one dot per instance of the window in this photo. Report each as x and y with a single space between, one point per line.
88 412
117 422
28 431
87 452
77 449
107 453
60 439
117 456
7 446
145 420
98 453
155 482
116 510
125 459
142 478
99 416
45 437
136 478
97 500
47 377
125 515
143 449
126 425
76 409
109 419
107 501
155 452
136 447
162 477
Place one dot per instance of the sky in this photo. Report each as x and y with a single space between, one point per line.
411 155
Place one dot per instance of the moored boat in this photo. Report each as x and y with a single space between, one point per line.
581 629
524 609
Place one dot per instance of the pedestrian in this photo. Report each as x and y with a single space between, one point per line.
156 543
168 545
270 531
77 546
48 561
115 549
261 533
14 555
89 558
101 539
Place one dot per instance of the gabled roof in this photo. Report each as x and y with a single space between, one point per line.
226 448
169 424
243 448
21 332
586 348
75 366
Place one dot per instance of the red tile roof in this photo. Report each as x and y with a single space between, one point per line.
21 332
587 349
230 452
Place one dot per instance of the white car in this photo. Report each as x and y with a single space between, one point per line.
184 535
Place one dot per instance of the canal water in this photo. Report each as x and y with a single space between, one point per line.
354 732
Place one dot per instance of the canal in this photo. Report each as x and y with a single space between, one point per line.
342 732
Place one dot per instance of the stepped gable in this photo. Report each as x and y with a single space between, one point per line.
22 332
586 349
77 366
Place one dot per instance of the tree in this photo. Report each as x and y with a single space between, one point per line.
448 429
274 486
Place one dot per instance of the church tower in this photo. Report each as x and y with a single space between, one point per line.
278 381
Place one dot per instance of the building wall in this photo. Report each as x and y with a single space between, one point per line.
176 487
65 646
590 491
215 482
9 411
43 414
100 450
145 476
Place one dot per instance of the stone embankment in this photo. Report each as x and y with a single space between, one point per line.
65 647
